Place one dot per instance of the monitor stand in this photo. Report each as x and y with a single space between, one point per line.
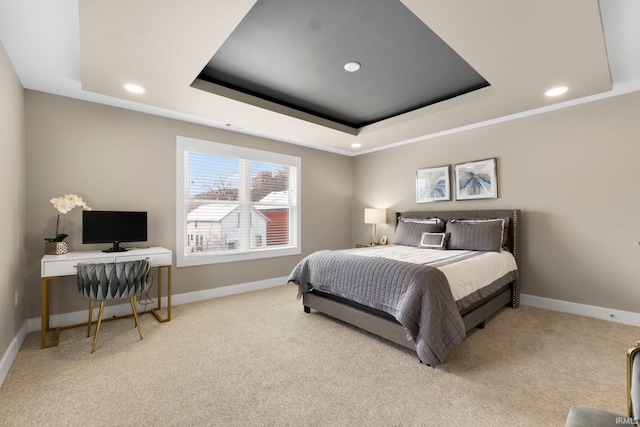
116 248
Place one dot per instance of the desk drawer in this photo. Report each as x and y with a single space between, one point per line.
67 267
156 259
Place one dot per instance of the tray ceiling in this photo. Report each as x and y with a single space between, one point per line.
294 53
88 50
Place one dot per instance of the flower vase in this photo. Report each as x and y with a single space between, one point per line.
55 248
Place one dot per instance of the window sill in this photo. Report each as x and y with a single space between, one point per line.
202 258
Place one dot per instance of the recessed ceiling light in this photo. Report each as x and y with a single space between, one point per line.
352 66
134 88
556 91
356 145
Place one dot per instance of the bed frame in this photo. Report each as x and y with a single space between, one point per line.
390 329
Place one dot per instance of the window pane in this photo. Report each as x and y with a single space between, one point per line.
212 177
271 192
258 229
278 226
213 227
269 181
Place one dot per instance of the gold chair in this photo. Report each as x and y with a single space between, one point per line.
111 281
587 416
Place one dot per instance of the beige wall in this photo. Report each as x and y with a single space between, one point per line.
573 172
119 159
12 200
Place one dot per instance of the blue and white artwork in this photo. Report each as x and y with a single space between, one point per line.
432 184
476 180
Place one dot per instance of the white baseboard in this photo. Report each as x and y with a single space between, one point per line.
228 290
33 325
626 317
76 317
618 316
11 353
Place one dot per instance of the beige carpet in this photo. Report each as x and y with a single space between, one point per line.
258 359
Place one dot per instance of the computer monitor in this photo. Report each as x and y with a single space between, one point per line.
114 227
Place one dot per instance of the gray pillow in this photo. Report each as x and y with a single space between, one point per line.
505 226
410 233
475 236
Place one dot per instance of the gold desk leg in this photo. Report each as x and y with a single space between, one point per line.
45 317
156 311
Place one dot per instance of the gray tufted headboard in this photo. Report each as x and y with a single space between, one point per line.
513 239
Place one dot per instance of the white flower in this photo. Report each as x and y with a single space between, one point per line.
67 202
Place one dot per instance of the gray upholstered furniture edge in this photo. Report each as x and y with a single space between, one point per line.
588 416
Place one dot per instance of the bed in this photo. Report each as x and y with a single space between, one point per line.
418 291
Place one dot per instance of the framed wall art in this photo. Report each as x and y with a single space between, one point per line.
476 180
433 184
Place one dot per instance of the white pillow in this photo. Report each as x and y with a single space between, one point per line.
434 240
422 220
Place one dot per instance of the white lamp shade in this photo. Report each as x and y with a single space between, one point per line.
375 216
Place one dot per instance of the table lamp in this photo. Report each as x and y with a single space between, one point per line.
375 217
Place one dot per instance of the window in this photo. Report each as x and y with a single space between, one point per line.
235 203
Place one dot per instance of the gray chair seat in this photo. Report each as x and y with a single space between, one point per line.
587 416
112 281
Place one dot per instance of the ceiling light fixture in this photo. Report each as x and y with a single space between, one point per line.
556 91
352 66
356 145
134 88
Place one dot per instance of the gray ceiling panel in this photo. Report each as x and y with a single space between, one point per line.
293 52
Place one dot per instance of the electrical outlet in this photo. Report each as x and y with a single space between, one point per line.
16 298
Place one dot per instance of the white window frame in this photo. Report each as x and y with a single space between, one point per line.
186 144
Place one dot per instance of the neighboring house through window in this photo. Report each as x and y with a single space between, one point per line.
235 203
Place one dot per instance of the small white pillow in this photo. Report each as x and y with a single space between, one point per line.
434 240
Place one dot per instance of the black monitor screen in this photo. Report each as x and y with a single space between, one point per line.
113 227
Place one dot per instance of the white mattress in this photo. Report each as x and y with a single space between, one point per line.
466 271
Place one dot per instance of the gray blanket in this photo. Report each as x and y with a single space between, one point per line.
418 296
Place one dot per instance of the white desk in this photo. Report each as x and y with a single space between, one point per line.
54 266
